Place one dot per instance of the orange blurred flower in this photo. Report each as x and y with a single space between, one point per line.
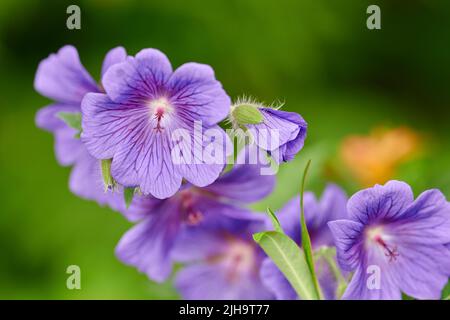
374 158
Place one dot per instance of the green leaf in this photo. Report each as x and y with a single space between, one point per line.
247 114
275 222
128 194
72 119
290 259
108 181
306 240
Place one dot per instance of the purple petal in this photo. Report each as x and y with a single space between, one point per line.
264 132
358 290
105 124
141 77
380 202
421 270
148 245
63 78
197 243
282 133
198 95
113 56
289 216
425 221
195 160
47 119
86 179
276 282
149 165
243 183
348 242
209 282
332 206
67 147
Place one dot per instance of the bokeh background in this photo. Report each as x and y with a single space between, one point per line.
377 103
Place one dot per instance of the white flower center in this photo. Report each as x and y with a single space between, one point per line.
375 235
240 258
160 109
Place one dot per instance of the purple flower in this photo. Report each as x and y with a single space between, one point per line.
148 245
134 122
281 133
63 78
222 260
394 243
331 206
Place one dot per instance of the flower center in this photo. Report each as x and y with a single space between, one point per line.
376 235
192 215
240 258
160 108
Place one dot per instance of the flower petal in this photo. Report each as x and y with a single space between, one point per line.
276 282
201 159
421 270
243 183
209 282
358 289
143 76
426 221
147 246
198 95
113 56
386 202
67 148
348 242
63 78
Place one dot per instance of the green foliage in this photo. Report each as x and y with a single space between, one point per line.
275 222
306 240
290 259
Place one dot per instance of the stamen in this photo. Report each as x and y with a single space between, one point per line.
239 259
392 252
159 114
159 109
192 215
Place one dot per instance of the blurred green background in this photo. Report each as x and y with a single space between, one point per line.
316 56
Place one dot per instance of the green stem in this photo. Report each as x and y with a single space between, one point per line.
306 240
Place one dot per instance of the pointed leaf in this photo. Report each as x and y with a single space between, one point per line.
275 222
290 259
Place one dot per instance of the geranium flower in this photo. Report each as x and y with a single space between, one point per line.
63 78
148 245
222 260
331 206
134 122
282 134
394 243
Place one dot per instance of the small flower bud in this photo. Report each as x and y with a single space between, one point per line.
246 113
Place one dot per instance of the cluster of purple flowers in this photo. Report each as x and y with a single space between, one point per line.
195 211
